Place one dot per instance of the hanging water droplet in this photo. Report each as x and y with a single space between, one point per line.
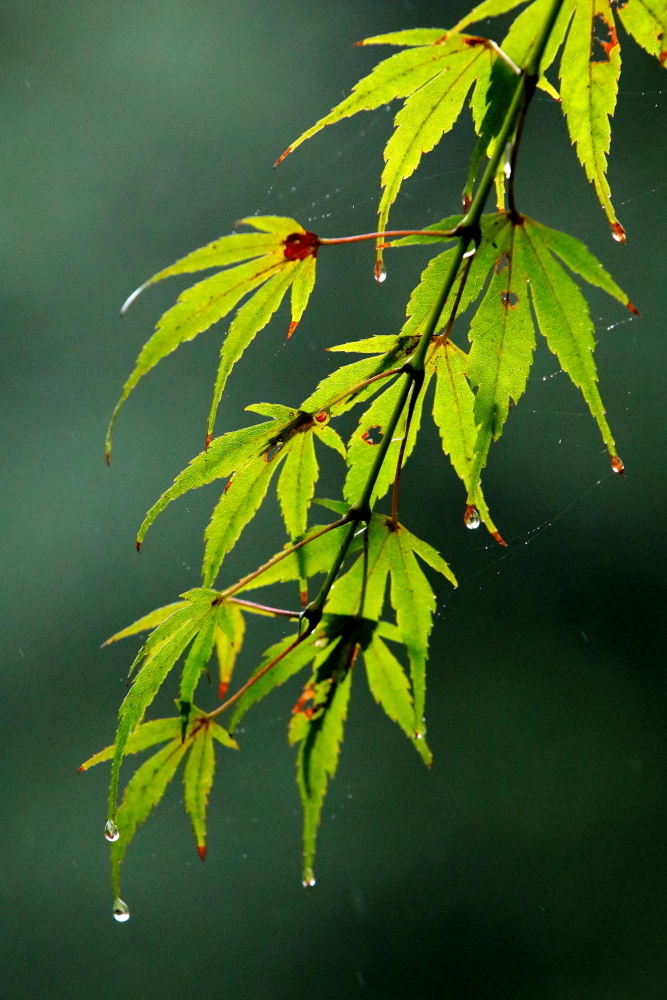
111 831
308 878
471 518
617 465
121 911
380 272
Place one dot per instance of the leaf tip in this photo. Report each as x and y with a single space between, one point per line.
617 465
130 299
282 156
308 878
292 327
138 545
222 689
79 770
201 851
618 232
499 538
107 456
632 308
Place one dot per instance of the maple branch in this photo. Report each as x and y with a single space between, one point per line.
253 680
467 231
226 594
394 233
264 608
357 388
401 453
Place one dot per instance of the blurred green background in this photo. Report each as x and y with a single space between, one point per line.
531 861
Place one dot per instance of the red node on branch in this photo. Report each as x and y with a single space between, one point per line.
298 246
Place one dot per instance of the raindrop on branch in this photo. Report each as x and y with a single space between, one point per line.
111 831
308 878
121 911
471 518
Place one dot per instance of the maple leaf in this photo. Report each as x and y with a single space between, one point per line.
392 551
251 457
281 255
513 256
434 75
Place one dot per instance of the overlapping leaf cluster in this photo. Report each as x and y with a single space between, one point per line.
512 276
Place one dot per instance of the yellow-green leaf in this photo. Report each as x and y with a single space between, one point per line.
197 781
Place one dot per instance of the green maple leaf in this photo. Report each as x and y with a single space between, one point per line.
433 75
149 783
251 457
281 255
392 551
512 258
646 21
317 726
155 659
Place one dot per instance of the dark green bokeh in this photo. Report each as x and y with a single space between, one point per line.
529 862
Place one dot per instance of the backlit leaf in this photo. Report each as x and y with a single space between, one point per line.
197 781
228 647
225 454
563 317
362 444
144 736
489 8
315 557
238 504
296 485
646 21
155 659
503 342
589 85
148 621
391 689
427 115
317 726
280 254
249 320
285 668
398 76
142 794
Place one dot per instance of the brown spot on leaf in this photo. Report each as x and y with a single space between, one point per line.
298 246
510 299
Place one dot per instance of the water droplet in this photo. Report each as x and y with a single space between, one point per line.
617 465
111 831
308 878
471 518
121 911
618 232
380 272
